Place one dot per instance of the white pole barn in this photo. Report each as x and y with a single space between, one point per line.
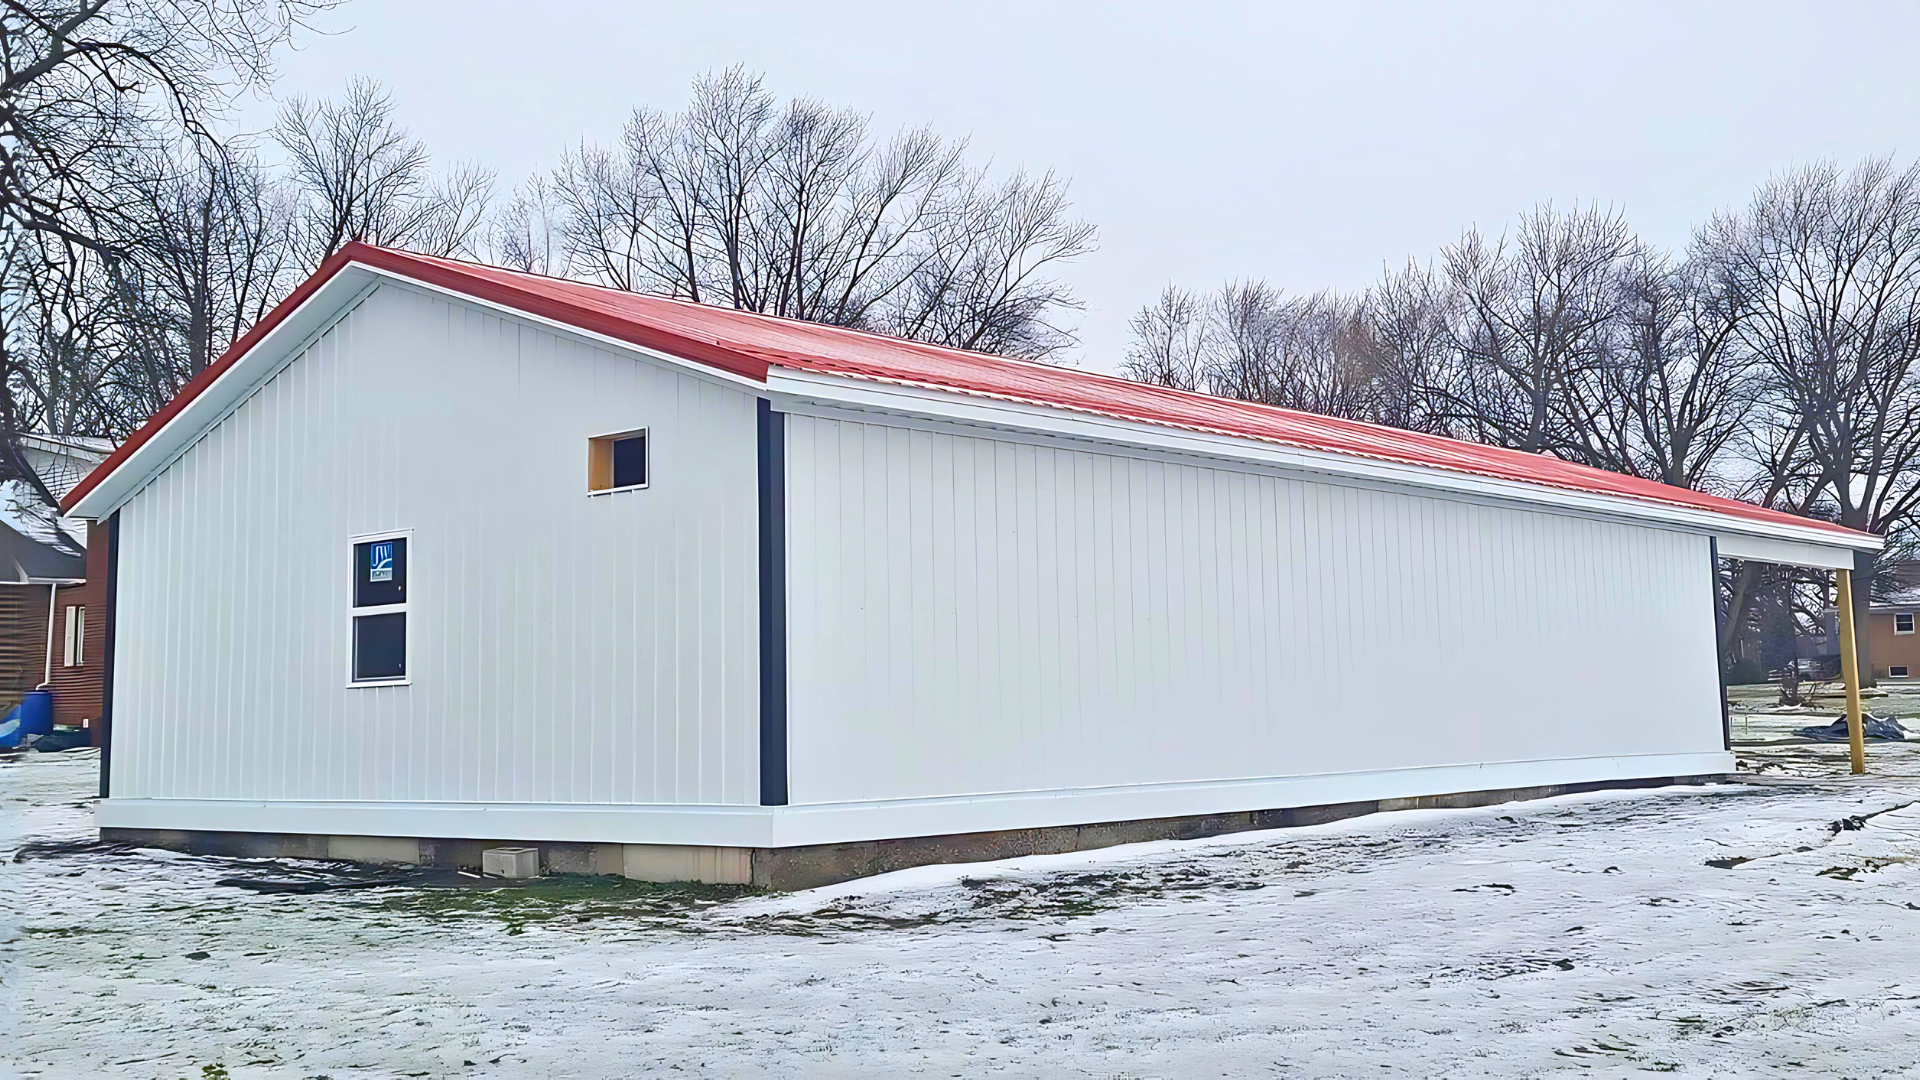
442 556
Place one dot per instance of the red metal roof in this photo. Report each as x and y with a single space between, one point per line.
747 344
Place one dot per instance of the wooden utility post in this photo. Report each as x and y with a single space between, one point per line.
1850 671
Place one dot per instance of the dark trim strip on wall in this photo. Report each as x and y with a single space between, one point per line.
106 669
1719 631
773 605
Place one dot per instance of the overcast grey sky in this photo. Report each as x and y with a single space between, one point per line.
1308 144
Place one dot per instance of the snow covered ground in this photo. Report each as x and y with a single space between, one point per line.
1734 930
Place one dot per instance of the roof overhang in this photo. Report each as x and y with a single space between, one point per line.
1768 541
258 356
1788 552
217 391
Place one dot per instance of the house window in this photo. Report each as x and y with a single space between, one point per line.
379 611
1897 671
1903 623
617 462
76 636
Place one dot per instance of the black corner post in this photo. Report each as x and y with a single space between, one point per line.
773 606
106 671
1719 632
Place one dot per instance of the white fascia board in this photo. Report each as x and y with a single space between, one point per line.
836 391
331 301
851 822
1785 552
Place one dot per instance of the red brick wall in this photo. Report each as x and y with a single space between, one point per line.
77 690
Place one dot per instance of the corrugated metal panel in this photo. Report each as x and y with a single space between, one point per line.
970 615
564 648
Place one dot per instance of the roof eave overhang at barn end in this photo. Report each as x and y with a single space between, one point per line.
1812 544
308 312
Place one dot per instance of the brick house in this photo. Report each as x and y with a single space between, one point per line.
48 587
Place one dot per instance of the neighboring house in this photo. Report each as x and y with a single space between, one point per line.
49 584
441 555
1892 642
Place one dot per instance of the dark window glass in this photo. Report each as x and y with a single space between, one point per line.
380 572
380 646
630 461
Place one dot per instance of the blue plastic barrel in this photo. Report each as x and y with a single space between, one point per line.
36 712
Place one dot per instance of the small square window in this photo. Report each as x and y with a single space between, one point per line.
617 462
1903 623
1897 671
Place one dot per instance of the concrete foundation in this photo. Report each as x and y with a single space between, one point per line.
821 864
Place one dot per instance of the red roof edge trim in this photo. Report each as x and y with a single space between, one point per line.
466 281
431 272
207 377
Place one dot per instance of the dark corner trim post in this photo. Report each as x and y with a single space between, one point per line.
106 670
773 605
1719 632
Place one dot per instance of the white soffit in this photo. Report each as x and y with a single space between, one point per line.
1785 552
1812 545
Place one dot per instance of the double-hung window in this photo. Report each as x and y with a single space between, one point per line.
1903 623
378 645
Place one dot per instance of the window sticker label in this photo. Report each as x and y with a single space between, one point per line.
380 562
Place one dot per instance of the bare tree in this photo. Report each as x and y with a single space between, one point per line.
1534 311
216 253
1673 387
1409 316
794 210
363 176
87 84
526 236
1828 265
1169 342
91 90
1782 476
1250 341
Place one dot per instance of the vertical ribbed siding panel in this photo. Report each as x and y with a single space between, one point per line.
564 649
971 615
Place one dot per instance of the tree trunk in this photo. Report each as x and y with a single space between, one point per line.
1736 607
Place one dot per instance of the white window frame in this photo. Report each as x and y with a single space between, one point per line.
76 654
1898 671
379 609
646 437
1907 615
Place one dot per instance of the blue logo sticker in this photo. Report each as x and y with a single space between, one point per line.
380 562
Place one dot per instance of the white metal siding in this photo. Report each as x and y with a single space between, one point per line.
565 649
970 615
